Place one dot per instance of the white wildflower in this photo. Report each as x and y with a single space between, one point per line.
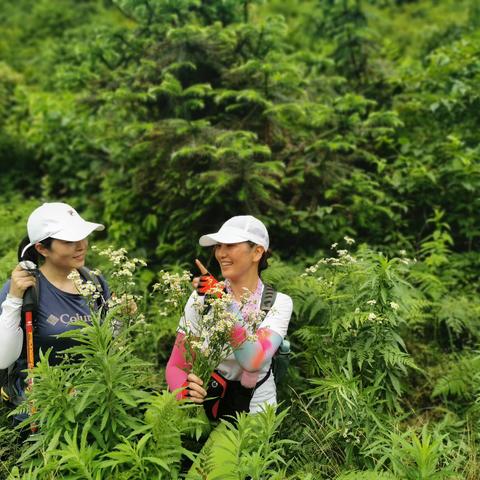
85 288
125 267
73 275
334 246
349 240
372 302
372 316
394 306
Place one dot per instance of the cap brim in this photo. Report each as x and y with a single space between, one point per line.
215 238
81 231
74 234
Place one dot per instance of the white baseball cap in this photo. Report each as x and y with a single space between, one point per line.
60 221
241 228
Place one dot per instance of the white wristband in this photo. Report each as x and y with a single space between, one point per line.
12 300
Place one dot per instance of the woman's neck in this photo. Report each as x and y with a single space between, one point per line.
58 277
248 281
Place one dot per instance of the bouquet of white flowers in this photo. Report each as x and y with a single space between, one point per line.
220 325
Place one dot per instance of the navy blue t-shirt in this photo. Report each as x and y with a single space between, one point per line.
56 312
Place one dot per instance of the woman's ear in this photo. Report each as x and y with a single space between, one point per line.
42 249
258 253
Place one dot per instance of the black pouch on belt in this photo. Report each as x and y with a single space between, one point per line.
225 398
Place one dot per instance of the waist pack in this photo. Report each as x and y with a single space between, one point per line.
225 398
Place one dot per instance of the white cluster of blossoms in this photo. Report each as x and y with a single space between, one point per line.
175 287
220 329
348 241
200 346
394 306
172 283
218 299
125 267
86 288
126 300
256 318
343 259
372 302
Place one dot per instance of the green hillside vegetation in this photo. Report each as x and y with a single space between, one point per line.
351 129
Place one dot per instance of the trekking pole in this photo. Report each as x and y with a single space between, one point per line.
28 308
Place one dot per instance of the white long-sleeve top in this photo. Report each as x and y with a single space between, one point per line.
11 334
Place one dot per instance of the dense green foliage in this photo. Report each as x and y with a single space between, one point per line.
328 119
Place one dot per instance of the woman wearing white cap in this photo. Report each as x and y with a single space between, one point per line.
241 249
57 237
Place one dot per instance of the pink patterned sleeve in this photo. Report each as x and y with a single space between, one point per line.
177 367
252 355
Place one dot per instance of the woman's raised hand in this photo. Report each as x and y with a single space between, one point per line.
21 280
205 282
195 391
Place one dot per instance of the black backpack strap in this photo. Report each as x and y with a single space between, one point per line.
269 296
264 379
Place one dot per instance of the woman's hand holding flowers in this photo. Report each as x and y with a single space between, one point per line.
194 390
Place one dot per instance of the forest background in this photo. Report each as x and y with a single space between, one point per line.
330 120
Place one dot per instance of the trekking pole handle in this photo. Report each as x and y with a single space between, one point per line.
29 301
29 297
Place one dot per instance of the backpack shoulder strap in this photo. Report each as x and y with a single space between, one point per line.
269 296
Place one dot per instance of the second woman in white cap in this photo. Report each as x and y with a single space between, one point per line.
241 250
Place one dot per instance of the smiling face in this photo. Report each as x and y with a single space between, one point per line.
64 255
238 260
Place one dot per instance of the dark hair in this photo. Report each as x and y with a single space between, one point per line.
31 253
263 263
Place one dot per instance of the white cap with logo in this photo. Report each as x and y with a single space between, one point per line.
238 229
60 221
